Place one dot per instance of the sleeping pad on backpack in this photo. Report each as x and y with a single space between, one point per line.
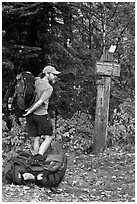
46 172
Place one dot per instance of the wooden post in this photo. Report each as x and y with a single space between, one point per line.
105 68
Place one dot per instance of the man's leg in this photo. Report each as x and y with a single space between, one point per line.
36 145
44 146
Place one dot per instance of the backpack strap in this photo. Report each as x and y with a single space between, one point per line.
57 149
56 162
25 154
54 158
23 162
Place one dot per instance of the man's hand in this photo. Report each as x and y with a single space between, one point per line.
28 112
34 107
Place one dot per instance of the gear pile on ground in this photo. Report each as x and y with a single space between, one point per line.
45 171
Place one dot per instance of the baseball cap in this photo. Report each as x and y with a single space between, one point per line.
51 70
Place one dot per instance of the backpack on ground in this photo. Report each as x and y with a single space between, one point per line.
25 94
24 169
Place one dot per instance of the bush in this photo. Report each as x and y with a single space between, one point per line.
14 138
77 132
123 129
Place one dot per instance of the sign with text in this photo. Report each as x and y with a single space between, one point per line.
107 68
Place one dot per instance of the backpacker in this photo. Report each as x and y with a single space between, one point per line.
24 169
24 95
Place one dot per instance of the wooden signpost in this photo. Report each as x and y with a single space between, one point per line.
105 68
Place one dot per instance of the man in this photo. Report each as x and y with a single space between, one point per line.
38 120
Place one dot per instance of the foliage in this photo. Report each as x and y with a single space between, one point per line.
69 36
88 177
13 140
76 133
72 36
122 130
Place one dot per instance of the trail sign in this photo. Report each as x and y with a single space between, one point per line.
112 48
105 68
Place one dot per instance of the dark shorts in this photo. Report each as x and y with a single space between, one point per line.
38 125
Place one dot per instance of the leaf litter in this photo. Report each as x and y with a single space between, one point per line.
109 177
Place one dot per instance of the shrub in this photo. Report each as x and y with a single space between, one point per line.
77 132
123 129
13 139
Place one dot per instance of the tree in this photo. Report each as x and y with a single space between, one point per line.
69 35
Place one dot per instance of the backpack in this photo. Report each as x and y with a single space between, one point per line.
24 169
25 94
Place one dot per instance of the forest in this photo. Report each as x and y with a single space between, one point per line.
72 36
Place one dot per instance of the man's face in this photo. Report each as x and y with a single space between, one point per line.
52 77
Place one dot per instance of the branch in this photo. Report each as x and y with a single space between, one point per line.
113 14
119 38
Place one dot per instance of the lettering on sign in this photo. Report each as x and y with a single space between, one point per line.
107 68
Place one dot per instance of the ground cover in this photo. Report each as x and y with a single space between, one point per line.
108 177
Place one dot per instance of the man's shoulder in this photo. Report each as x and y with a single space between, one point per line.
43 84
